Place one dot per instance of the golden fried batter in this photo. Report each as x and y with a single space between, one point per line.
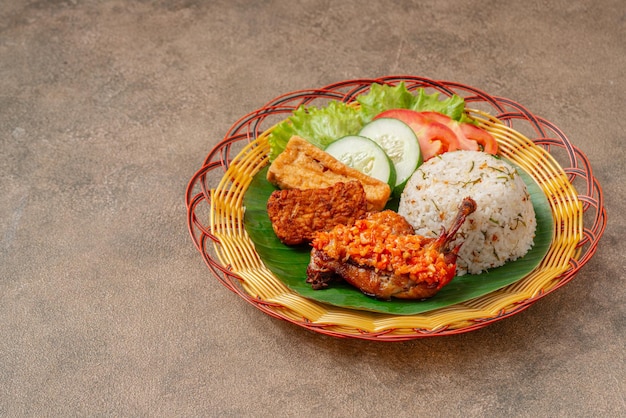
304 166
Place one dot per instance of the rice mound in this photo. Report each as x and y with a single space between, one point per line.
503 226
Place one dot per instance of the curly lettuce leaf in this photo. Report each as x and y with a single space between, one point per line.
319 126
453 106
385 97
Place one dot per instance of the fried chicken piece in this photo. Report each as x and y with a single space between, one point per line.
297 215
304 166
383 258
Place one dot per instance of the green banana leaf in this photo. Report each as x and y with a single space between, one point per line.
289 263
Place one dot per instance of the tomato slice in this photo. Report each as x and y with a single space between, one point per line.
483 138
464 142
434 137
471 137
437 117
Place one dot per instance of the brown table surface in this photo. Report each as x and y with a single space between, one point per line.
107 108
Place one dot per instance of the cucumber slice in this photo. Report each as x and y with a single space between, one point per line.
364 155
401 145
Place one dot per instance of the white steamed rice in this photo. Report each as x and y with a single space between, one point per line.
503 226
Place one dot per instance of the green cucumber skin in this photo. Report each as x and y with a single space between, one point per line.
353 144
381 129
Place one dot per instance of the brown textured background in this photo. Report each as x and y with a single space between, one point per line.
107 108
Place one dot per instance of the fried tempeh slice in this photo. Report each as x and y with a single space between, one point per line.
297 215
304 166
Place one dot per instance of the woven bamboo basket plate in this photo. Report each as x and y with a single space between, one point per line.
215 216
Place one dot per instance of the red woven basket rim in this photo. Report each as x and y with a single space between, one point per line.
249 127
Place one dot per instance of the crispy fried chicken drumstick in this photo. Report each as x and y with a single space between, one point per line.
381 256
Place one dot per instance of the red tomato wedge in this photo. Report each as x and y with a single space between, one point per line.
470 137
434 138
484 139
464 143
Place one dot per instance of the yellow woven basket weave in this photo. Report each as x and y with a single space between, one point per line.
231 255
